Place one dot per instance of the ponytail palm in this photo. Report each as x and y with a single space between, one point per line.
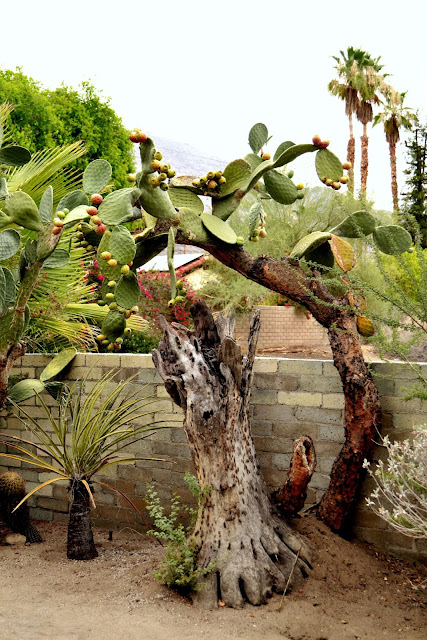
88 435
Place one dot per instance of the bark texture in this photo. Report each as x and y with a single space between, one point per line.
291 497
80 543
351 154
394 190
237 525
364 141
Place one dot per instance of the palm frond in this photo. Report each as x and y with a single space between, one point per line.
47 168
5 110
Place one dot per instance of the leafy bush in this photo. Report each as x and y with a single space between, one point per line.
400 497
179 568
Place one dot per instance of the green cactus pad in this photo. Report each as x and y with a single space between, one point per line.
3 188
27 317
328 165
30 251
46 205
72 200
185 198
116 208
280 188
356 225
113 325
170 254
155 201
14 156
284 146
25 389
78 213
10 286
186 182
255 213
237 174
23 210
10 241
149 248
219 228
258 136
392 239
253 160
122 244
96 176
309 243
292 153
57 259
321 256
224 207
58 363
127 291
146 152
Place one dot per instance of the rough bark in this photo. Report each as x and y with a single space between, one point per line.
362 426
394 190
291 497
238 527
361 394
80 543
6 363
351 153
364 141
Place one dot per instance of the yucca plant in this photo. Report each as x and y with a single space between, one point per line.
85 437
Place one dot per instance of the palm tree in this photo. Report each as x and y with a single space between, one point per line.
84 439
346 88
394 116
370 83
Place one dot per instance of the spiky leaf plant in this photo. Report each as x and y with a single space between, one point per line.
85 436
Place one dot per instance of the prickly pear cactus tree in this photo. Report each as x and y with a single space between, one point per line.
166 201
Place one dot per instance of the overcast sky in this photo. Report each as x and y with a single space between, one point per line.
205 72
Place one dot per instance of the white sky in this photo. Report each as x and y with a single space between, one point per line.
205 72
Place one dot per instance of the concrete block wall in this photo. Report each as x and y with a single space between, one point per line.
289 398
283 327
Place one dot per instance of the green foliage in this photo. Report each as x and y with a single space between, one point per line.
413 215
179 569
43 119
140 342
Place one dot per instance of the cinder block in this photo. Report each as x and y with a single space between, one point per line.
327 416
300 399
263 396
309 367
265 365
333 401
329 432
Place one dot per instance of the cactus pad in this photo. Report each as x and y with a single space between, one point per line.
170 254
76 214
320 257
255 214
283 146
14 156
146 152
46 205
113 325
116 208
292 153
10 286
57 364
258 136
122 244
280 187
343 253
127 291
237 174
25 389
219 228
10 241
365 327
72 200
392 239
309 243
3 188
96 176
356 225
148 248
57 259
155 201
185 198
3 303
22 209
328 165
253 160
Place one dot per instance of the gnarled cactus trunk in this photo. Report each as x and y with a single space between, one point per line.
237 527
80 543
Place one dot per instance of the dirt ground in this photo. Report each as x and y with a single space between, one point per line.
351 593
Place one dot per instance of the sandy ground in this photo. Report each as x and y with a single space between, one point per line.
351 593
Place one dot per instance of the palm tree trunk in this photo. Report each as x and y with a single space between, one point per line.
394 190
80 543
364 162
351 152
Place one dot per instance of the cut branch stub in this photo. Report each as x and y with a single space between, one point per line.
291 497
